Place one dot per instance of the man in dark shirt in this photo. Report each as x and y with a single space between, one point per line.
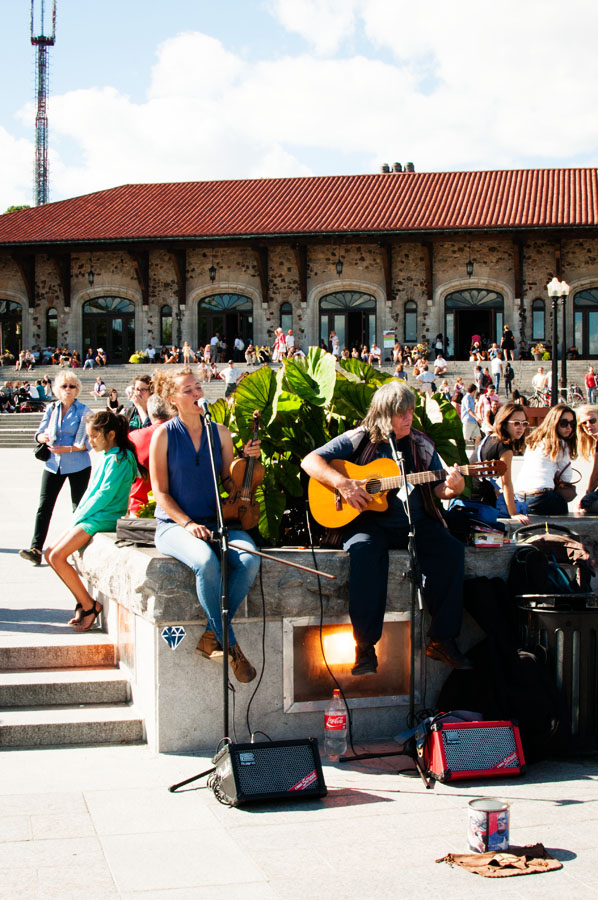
370 536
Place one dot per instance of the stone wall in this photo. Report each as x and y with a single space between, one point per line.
237 271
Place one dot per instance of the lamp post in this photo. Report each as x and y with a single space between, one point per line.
564 295
179 317
554 292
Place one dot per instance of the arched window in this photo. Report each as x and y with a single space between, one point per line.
11 316
229 315
109 323
286 317
538 320
166 325
469 312
410 321
352 315
51 327
585 310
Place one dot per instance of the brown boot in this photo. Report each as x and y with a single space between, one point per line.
208 646
240 665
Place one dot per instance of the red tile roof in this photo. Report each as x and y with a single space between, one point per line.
390 202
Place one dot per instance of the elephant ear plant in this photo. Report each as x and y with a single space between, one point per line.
303 404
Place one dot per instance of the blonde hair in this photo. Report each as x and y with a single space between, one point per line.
394 398
165 382
547 432
62 377
587 442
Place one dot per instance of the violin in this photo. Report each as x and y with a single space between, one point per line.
246 474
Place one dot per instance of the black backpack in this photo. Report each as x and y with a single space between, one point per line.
550 562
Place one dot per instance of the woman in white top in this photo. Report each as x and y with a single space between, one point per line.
547 460
587 436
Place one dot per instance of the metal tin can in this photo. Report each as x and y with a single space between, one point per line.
488 825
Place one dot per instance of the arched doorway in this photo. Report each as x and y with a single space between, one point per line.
11 327
109 323
585 311
231 315
469 312
352 314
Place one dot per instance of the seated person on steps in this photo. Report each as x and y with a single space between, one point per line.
370 536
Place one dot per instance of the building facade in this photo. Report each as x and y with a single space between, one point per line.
396 256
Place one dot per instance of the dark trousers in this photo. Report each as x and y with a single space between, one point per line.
441 558
550 503
49 491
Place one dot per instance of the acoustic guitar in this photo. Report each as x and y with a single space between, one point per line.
331 510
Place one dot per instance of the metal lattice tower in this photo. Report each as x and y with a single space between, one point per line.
42 41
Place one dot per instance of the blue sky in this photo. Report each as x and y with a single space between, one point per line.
191 90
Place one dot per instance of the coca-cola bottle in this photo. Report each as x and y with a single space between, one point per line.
335 727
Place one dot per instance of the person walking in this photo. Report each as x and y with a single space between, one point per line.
62 429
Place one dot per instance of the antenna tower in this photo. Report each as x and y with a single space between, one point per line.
42 40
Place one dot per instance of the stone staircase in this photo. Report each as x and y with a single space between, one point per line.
17 430
56 694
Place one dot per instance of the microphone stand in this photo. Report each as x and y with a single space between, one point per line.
414 574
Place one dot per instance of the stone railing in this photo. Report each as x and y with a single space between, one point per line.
180 693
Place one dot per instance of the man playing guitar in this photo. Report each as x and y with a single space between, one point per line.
370 536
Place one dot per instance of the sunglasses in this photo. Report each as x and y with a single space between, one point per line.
589 421
566 423
69 387
523 422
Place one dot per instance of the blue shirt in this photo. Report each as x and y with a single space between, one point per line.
66 432
467 408
190 482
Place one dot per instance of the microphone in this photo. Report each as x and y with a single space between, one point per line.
203 405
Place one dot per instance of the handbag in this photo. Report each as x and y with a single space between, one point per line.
41 452
566 489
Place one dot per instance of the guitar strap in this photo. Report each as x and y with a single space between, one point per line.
422 450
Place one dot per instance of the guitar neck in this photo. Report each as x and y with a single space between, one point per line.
390 484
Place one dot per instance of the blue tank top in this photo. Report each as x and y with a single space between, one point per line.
190 482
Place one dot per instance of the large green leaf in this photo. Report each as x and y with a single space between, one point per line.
221 412
352 399
438 418
312 378
255 391
272 505
356 369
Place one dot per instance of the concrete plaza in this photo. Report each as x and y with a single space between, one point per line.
99 823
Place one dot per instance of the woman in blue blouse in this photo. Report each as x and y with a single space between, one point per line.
62 428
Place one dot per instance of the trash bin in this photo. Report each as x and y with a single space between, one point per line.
569 637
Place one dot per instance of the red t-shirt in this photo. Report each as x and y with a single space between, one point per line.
591 380
142 438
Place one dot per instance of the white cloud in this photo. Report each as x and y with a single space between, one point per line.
447 86
324 24
16 172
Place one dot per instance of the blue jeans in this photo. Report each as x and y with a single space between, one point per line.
198 555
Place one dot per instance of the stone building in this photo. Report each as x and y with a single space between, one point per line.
400 255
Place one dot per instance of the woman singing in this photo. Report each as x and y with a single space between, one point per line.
181 477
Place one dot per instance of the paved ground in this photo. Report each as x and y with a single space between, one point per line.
99 823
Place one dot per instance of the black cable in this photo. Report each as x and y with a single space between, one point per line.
259 681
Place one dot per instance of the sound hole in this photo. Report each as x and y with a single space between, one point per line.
373 486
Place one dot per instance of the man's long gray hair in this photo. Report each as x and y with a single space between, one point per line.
392 399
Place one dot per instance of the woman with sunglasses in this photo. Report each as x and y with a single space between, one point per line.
505 440
547 459
62 429
587 438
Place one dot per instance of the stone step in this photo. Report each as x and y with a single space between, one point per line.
69 655
63 687
57 726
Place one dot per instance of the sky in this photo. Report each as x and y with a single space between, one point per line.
191 90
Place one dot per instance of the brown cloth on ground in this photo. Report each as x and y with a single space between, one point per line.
532 860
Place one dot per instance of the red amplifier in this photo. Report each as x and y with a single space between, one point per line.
457 750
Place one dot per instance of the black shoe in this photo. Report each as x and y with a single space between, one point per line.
32 555
366 661
447 652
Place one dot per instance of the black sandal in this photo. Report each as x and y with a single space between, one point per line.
76 619
94 612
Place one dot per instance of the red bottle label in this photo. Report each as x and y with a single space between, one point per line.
336 722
